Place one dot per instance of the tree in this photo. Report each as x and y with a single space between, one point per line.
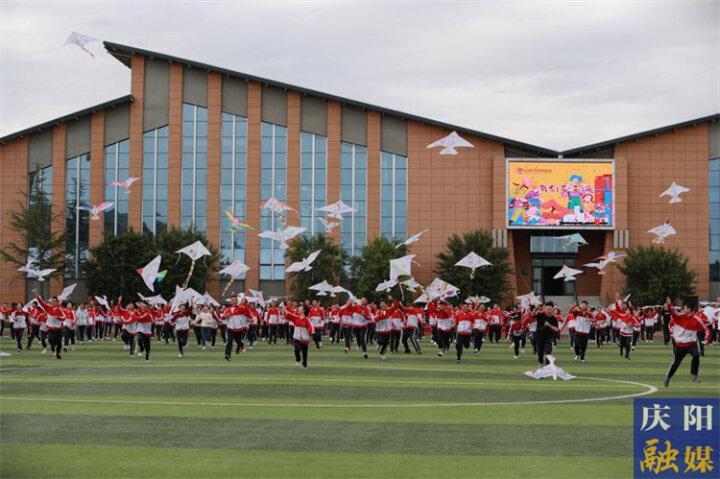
372 267
113 264
329 265
490 281
32 220
653 273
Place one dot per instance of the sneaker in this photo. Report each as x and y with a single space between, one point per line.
515 357
365 355
227 358
696 378
44 351
147 360
666 381
457 361
440 353
576 358
382 356
180 355
346 350
19 350
65 349
476 351
204 348
298 364
582 360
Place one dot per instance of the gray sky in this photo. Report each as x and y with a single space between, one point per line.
556 74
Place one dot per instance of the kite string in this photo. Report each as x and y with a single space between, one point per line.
227 286
187 279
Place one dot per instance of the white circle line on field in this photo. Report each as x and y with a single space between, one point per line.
648 390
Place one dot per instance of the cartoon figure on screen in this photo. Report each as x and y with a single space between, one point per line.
574 190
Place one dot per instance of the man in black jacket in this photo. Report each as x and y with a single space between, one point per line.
547 328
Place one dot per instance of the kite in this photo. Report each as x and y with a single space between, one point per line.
441 289
329 225
234 270
257 297
39 274
95 210
303 265
183 296
283 236
411 285
550 371
477 300
473 261
235 224
612 256
153 300
450 142
423 298
27 306
125 184
80 40
208 300
195 251
412 239
103 301
674 192
386 286
322 288
600 265
278 207
662 232
336 210
567 273
574 238
66 292
401 267
150 273
527 300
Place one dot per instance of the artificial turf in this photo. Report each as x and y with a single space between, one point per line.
97 413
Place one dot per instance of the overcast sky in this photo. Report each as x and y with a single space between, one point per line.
555 74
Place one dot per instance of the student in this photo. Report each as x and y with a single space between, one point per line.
317 318
33 326
69 325
180 320
547 328
463 319
410 326
383 328
495 316
649 317
19 324
144 320
584 320
516 331
236 317
684 328
53 322
346 323
303 330
625 323
203 320
480 324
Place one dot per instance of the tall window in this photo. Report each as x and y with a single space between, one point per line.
40 199
233 186
155 180
313 179
714 197
40 181
194 167
117 158
393 195
353 191
77 217
273 163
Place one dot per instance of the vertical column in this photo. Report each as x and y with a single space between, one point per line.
613 280
137 85
175 93
333 157
213 166
97 172
58 200
293 160
14 161
373 174
252 244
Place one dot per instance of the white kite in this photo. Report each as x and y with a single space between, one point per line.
401 267
125 184
283 236
612 256
257 297
411 285
473 261
527 300
567 273
423 298
235 269
66 292
195 251
95 210
450 142
150 273
103 301
386 286
600 266
412 239
275 205
80 40
303 265
329 225
153 300
674 192
322 288
574 238
662 232
209 300
550 371
441 289
38 274
337 209
477 300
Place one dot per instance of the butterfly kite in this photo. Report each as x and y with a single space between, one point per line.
337 209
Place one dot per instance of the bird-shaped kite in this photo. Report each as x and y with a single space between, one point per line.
323 288
153 300
412 239
662 232
102 300
411 285
386 286
235 270
235 224
303 265
283 236
80 40
95 210
674 192
612 256
567 273
150 273
574 238
450 142
600 266
337 209
125 184
195 251
66 292
401 266
473 261
278 207
38 274
329 225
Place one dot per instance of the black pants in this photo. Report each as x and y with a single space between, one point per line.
252 334
55 340
18 337
383 341
477 339
666 332
69 336
395 341
182 336
600 337
462 342
571 335
334 333
370 333
443 340
625 344
517 341
317 338
43 338
301 349
168 334
145 342
33 332
636 334
81 333
408 335
347 334
273 334
544 348
581 342
89 332
360 335
237 337
495 333
680 354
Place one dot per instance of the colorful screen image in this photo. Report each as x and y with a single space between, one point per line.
560 194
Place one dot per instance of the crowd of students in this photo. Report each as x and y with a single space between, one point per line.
359 325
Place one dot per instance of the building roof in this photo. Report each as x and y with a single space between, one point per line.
125 52
635 136
72 116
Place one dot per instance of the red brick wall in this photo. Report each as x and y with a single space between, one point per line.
175 99
137 80
13 158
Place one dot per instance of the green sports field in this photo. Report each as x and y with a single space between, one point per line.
97 413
